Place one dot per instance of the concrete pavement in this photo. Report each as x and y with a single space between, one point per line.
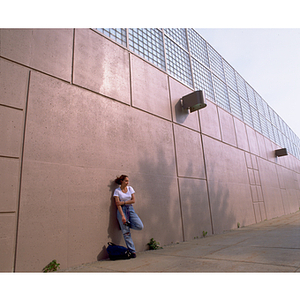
269 246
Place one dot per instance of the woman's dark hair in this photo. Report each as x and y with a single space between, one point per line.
119 180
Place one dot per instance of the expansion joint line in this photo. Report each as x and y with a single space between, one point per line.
21 173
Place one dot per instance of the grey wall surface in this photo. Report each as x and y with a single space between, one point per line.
76 110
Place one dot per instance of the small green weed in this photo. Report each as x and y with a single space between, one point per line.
52 266
204 233
238 225
153 245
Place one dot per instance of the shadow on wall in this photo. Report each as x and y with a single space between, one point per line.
158 204
113 229
180 113
157 199
194 205
226 206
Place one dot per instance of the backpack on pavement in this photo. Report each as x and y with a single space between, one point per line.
116 252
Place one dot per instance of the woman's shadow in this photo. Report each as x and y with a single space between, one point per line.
113 230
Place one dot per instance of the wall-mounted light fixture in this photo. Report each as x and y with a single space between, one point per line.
194 101
281 152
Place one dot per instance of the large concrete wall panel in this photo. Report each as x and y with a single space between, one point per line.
224 162
189 153
13 91
228 185
253 144
289 184
47 50
11 131
82 142
271 189
101 66
261 145
158 206
181 116
209 120
66 214
9 184
7 241
84 130
270 149
150 90
241 134
227 127
14 83
195 208
43 220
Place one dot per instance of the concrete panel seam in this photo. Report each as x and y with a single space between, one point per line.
142 58
191 177
205 171
152 114
180 208
186 127
12 157
36 70
178 185
170 100
73 57
130 76
12 107
21 171
234 128
97 93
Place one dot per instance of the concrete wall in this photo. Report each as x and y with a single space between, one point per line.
76 110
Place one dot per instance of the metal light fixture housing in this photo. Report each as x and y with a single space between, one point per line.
194 101
281 152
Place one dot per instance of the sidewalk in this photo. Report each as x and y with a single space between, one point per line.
270 246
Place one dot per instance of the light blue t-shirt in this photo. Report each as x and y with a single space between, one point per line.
124 196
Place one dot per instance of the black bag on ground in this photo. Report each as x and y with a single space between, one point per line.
116 252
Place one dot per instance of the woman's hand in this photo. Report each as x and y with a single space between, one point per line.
123 219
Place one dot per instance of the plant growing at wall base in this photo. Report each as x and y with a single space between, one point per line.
204 233
238 225
52 266
153 245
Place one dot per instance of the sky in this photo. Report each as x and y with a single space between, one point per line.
269 60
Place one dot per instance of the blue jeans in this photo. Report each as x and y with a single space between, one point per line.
135 223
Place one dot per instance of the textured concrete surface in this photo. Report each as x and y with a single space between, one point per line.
270 246
76 110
